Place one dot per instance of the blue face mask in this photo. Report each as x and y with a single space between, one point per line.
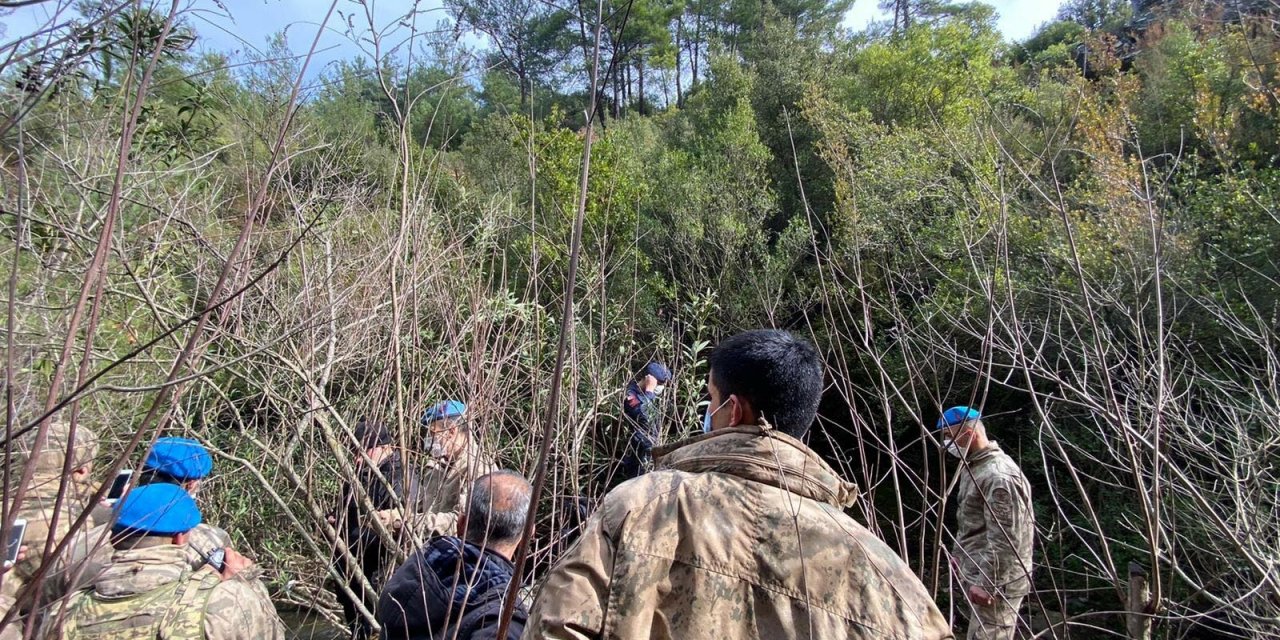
706 417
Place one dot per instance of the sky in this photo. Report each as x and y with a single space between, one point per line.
247 24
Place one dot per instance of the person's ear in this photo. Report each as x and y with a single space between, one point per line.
180 539
737 412
82 473
462 524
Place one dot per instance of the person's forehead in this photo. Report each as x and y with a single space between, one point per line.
443 424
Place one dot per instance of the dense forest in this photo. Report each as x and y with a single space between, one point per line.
1077 232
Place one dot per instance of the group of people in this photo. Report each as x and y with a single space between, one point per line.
146 566
742 532
739 532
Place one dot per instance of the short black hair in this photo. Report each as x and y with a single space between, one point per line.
779 373
371 433
152 476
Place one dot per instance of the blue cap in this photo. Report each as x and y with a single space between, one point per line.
179 458
956 416
157 509
446 409
659 371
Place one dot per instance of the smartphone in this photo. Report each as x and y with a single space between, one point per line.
119 486
16 534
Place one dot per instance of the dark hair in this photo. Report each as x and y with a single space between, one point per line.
779 373
152 476
497 508
369 434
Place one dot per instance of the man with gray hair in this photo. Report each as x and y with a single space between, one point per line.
454 588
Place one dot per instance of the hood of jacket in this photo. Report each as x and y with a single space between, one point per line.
761 454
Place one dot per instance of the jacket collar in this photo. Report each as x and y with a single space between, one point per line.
764 455
141 569
979 458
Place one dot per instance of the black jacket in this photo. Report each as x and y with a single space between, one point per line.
640 409
449 589
354 524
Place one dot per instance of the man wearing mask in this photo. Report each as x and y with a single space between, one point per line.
995 525
739 533
640 406
452 461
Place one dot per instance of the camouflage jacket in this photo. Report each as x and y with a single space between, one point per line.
739 534
79 564
995 523
153 584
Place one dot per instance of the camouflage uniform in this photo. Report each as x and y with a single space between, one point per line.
151 591
739 534
995 530
201 540
87 553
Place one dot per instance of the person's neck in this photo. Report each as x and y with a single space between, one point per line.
978 445
507 551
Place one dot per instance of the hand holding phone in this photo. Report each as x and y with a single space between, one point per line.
119 486
14 546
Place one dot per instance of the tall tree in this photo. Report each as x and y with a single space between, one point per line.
527 35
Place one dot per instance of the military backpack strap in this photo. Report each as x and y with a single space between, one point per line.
185 618
94 617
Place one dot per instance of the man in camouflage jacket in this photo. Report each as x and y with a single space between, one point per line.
151 591
48 519
995 526
739 533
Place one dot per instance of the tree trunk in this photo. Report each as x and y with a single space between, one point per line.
1139 617
640 80
679 91
697 39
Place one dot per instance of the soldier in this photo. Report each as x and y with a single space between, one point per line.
995 525
50 521
186 463
454 588
640 406
739 533
150 589
454 461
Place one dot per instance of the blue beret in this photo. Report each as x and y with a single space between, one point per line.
659 371
446 409
157 509
957 415
180 458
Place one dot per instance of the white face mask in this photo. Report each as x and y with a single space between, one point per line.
952 448
657 391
